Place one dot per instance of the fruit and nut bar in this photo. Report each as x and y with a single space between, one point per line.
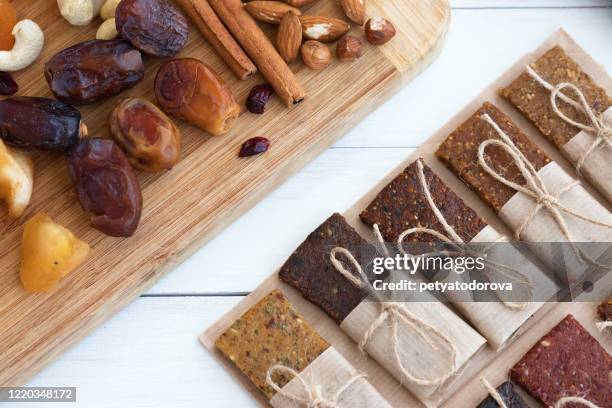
508 394
533 100
270 333
402 205
311 272
566 362
604 311
459 152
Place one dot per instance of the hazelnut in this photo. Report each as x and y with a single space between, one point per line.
316 55
348 48
379 30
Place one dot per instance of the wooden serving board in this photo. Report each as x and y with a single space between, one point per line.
204 193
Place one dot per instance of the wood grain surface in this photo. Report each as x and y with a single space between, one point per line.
209 189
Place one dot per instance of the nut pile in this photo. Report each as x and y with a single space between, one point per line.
310 34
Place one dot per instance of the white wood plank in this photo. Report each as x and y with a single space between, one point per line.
529 3
148 356
480 46
244 254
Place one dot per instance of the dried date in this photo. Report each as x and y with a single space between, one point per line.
8 86
192 91
43 123
94 70
155 27
106 186
259 97
149 137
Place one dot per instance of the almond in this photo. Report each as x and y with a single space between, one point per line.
325 29
270 11
354 10
300 3
289 37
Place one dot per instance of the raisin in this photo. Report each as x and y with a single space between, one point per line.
8 86
47 124
259 97
94 70
106 186
155 27
256 145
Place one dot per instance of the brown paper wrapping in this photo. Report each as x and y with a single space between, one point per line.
331 372
416 355
597 167
382 380
543 228
494 320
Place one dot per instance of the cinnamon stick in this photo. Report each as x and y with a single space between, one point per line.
260 49
205 18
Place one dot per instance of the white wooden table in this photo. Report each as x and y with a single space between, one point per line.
148 355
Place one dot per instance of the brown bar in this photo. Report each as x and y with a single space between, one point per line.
260 49
269 333
459 152
204 17
533 100
402 205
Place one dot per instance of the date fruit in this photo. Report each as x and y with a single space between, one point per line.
259 97
94 70
192 91
43 123
155 27
8 86
106 186
256 145
149 138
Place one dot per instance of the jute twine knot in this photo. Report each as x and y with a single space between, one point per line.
313 394
396 314
459 249
597 125
575 400
536 189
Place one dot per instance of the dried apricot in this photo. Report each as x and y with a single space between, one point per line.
8 19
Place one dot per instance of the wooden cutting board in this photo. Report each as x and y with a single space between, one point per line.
204 193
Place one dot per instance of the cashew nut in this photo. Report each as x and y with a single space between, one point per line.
16 179
29 41
108 9
107 30
79 12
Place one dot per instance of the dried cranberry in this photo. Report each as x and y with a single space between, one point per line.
8 86
259 97
256 145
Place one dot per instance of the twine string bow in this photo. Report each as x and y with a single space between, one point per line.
396 314
453 240
597 124
313 394
536 189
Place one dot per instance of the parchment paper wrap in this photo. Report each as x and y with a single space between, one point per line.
597 167
544 229
331 371
415 353
494 320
